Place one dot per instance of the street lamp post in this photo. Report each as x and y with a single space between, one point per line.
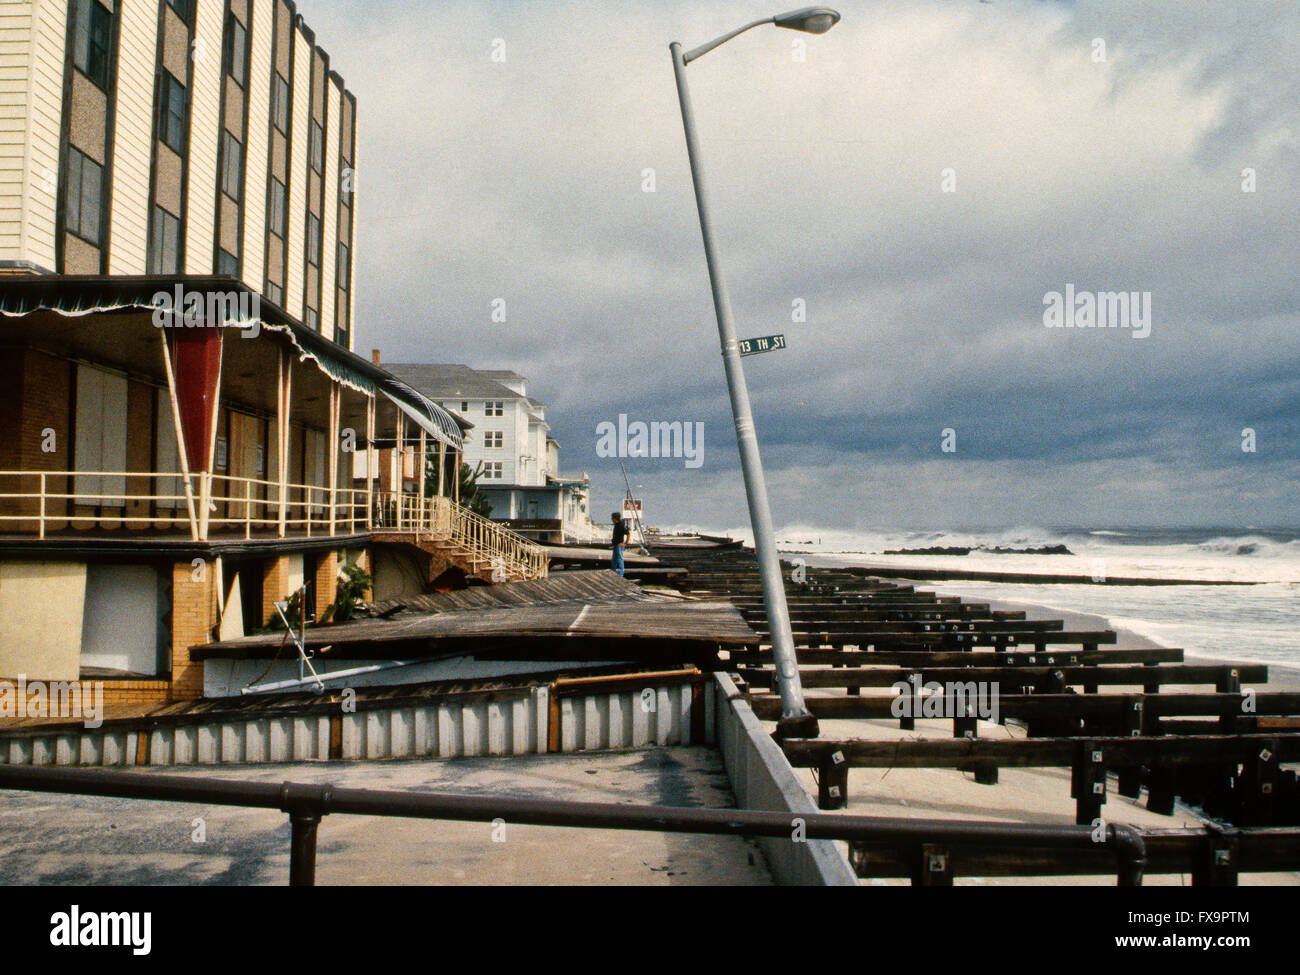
796 721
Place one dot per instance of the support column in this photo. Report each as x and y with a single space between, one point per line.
193 612
370 461
284 382
327 582
419 470
334 453
275 585
399 460
180 435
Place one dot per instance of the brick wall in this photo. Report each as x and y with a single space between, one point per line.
139 693
327 582
34 397
194 615
275 585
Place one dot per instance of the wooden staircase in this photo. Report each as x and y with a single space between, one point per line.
476 545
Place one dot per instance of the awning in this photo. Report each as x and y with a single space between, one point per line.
81 295
431 417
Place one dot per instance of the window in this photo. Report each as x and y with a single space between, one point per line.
182 8
464 406
171 112
342 275
494 408
100 436
317 147
274 294
90 40
232 166
279 102
227 263
313 239
236 51
164 243
279 203
312 319
492 471
494 440
82 196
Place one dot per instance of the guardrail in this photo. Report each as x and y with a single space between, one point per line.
1122 847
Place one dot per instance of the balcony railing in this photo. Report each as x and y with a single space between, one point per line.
481 540
45 501
42 502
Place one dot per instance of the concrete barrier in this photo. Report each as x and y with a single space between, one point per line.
761 778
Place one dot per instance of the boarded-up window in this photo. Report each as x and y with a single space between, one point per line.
121 622
100 445
314 467
169 488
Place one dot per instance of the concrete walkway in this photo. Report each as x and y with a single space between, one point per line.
54 839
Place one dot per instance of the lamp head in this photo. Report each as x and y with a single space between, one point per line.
811 20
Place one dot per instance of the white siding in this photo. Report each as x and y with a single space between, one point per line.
297 175
256 159
16 45
205 121
31 105
132 138
329 246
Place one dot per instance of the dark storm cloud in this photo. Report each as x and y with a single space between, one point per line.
523 180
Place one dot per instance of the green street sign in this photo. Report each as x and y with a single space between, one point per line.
765 344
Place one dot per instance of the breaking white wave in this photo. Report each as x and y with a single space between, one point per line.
1202 556
1259 623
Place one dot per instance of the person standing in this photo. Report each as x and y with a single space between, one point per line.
619 538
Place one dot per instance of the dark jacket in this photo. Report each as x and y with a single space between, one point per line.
620 532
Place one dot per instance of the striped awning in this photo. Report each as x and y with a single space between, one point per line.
431 417
77 296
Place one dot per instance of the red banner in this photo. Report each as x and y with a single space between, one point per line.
196 364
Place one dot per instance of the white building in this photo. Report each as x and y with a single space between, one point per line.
510 439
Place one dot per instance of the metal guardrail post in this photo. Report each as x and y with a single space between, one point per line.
306 805
1131 850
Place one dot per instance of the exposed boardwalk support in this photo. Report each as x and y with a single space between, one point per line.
1190 733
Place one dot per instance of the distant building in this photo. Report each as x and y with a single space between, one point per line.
519 461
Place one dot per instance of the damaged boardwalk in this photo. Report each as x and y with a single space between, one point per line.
876 654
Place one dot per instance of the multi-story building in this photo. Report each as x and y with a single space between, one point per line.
179 137
511 447
177 227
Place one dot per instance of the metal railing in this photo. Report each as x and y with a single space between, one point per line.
483 541
47 499
307 804
41 501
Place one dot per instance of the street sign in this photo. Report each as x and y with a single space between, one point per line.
765 344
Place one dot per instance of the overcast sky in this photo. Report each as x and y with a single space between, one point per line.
1115 169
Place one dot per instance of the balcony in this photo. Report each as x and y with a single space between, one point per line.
213 508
